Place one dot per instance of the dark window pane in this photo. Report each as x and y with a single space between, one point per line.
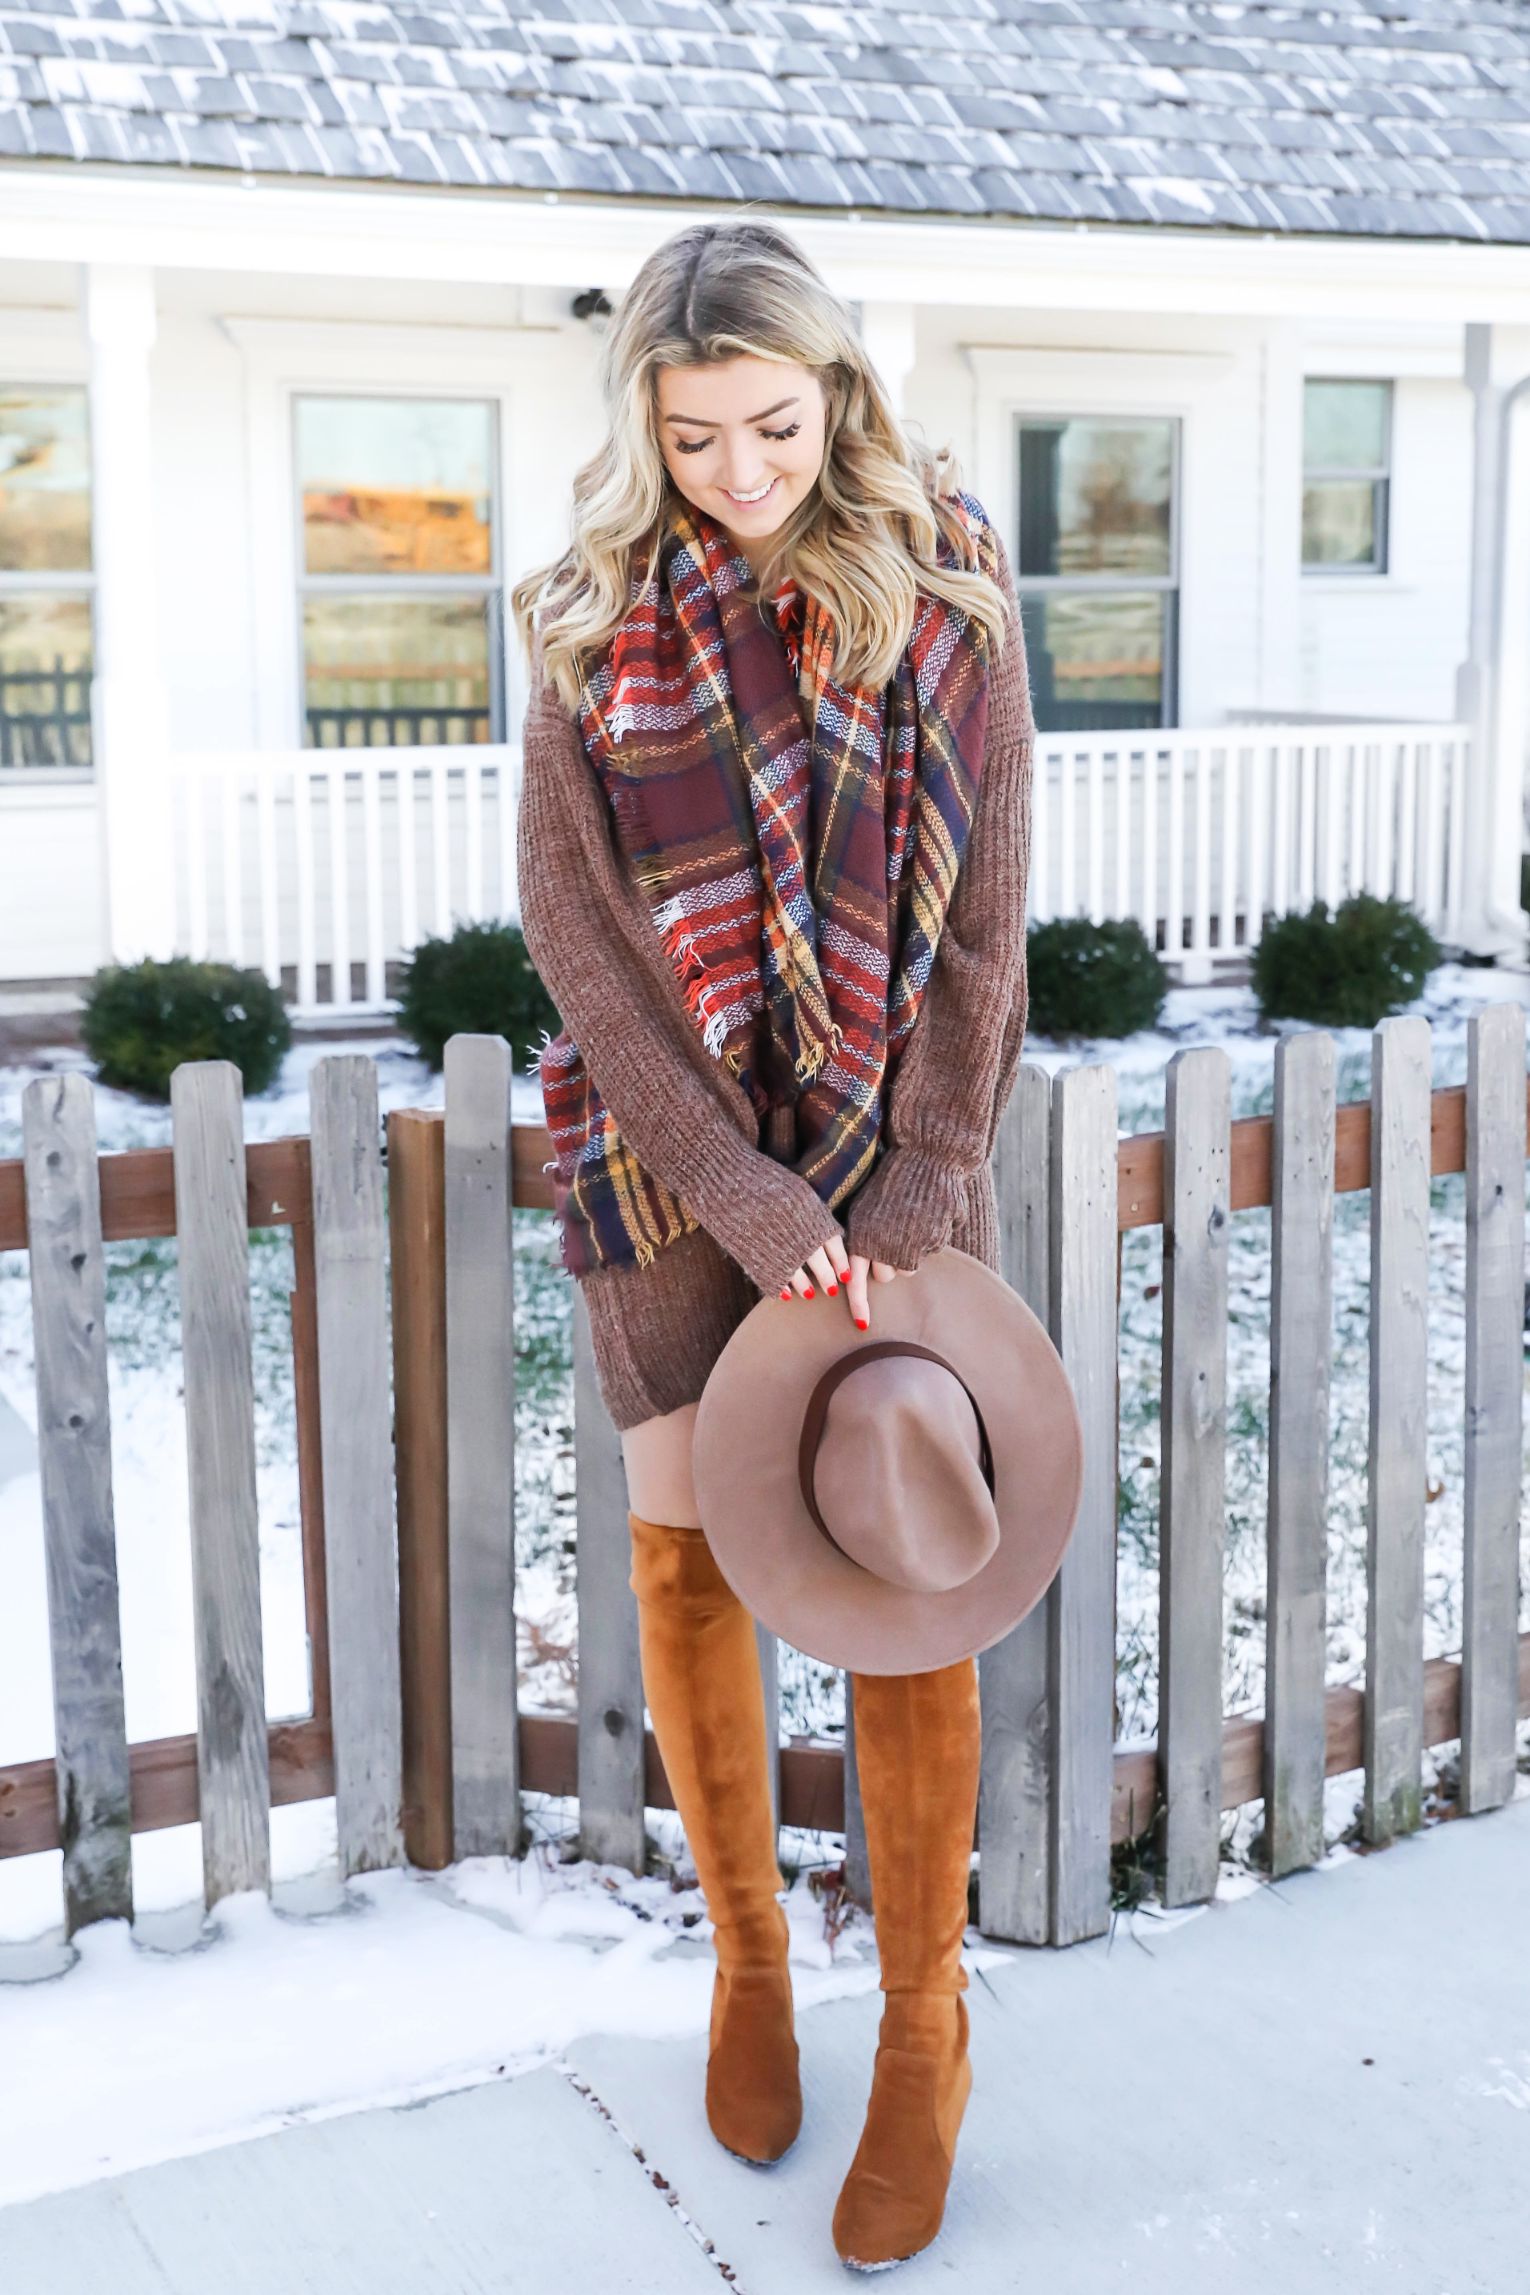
395 486
1345 425
1096 658
45 667
1095 496
383 671
1340 522
44 480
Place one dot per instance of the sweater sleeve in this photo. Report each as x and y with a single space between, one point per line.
603 964
958 1067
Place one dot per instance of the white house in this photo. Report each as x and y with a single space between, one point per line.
1225 309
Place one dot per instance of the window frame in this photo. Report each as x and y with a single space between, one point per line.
1170 584
1379 478
489 586
61 582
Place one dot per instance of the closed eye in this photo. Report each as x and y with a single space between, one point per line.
700 445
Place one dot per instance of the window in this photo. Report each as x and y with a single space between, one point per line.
46 648
399 552
1346 479
1096 569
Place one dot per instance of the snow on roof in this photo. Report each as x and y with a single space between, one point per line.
1371 118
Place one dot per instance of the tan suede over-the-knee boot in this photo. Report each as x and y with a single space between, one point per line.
918 1741
701 1677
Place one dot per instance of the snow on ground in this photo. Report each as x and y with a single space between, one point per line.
149 1436
181 2033
188 2031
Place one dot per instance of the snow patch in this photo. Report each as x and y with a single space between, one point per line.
1510 2084
172 2037
1180 190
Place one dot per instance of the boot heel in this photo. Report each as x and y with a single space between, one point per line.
893 2201
918 1747
754 2094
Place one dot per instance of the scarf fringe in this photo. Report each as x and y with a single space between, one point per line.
680 946
818 1055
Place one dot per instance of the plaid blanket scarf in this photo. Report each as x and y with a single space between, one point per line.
798 841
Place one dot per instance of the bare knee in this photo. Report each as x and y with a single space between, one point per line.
657 1456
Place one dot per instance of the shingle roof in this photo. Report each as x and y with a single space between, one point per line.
1365 117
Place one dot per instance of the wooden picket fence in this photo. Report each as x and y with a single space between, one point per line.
408 1495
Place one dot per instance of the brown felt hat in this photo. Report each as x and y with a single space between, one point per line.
893 1500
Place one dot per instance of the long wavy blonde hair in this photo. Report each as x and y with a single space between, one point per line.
864 542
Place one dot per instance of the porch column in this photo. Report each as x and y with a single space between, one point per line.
1491 687
887 330
1278 677
130 717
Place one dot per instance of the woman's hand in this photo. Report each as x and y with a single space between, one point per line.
832 1268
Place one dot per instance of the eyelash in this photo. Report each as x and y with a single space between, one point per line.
699 445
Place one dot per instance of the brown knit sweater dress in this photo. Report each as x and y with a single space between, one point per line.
658 1329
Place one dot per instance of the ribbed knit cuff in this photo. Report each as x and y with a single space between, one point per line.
908 1207
781 1242
764 1214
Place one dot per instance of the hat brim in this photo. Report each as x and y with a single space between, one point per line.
768 1546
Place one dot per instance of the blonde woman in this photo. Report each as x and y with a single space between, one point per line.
772 857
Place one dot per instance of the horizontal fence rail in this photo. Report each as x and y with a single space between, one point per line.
1201 834
415 1724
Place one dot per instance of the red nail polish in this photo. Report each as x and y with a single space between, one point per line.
786 1294
860 1325
809 1293
832 1290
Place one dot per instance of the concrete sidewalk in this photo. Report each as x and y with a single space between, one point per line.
1324 2086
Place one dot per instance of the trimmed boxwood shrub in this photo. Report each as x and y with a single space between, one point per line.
1093 979
479 980
140 1021
1347 968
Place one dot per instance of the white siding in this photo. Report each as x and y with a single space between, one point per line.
1390 643
1206 372
231 348
50 883
226 538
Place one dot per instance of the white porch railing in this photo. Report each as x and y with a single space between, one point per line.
323 866
1202 834
327 865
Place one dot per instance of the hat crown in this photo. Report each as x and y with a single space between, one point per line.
778 1488
898 1475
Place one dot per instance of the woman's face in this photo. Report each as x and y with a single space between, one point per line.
743 441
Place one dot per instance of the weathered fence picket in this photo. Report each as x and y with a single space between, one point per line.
1082 1609
1495 1390
480 1448
417 1246
211 1214
857 1856
68 1270
1394 1640
1191 1537
611 1742
1301 1349
356 1450
1015 1676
